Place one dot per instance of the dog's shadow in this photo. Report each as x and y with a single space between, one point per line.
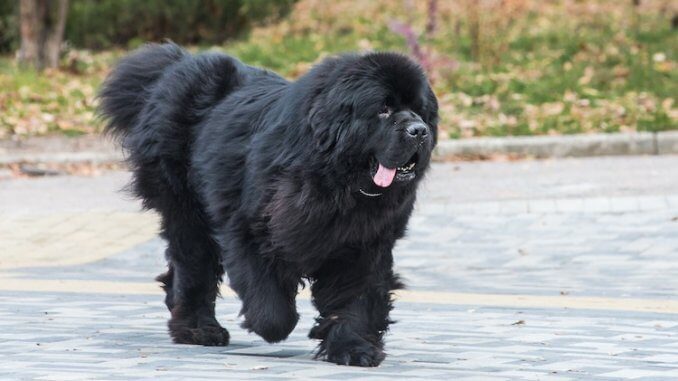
249 349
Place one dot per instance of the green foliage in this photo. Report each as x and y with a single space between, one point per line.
292 55
9 28
99 24
102 23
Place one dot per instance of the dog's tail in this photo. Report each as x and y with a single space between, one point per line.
127 87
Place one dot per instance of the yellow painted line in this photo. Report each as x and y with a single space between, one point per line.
429 297
79 286
540 301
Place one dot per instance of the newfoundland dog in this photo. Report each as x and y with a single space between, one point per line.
276 182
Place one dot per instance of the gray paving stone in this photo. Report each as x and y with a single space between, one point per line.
435 342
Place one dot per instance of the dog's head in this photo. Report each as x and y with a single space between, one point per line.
376 115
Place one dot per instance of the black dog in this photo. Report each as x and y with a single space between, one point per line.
276 182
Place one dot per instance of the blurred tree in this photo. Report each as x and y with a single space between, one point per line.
104 23
42 24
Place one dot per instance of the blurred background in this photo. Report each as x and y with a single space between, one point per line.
499 67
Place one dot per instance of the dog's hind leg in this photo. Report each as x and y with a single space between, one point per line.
192 282
167 279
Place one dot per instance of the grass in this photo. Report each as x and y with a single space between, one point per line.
54 101
512 67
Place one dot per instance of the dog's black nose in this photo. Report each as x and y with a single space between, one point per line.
417 130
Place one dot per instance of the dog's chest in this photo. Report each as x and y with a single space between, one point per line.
303 224
320 230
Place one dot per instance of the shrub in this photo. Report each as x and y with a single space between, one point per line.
9 28
99 24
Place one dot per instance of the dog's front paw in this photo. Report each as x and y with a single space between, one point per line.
342 345
356 354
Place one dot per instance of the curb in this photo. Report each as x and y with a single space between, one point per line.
60 150
641 143
62 158
98 150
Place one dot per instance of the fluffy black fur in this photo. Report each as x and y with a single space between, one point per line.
270 181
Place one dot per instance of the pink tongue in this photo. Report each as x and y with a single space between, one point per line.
384 176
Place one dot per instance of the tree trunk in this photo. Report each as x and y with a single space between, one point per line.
31 29
42 30
55 36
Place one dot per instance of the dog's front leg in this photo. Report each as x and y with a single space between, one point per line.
267 288
354 301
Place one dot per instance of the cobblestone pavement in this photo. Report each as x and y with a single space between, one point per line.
534 270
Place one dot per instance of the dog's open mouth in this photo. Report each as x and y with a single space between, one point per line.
407 168
384 177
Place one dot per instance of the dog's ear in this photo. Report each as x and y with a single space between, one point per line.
327 122
431 112
321 128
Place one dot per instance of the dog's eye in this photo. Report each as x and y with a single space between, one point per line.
385 112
